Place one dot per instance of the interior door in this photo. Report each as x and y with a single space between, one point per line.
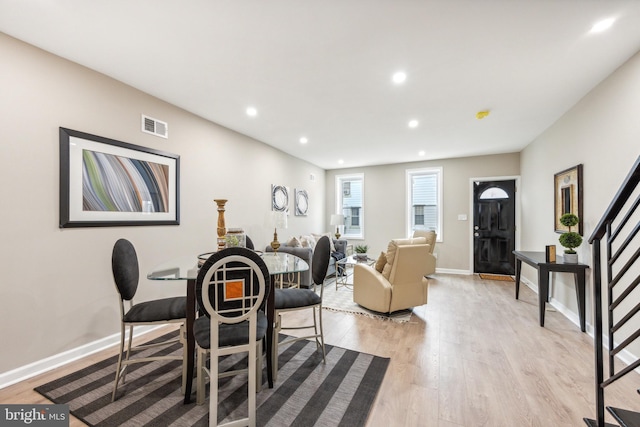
494 226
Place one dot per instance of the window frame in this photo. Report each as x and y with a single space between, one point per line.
339 183
410 174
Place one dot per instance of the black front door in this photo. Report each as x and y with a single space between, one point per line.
494 226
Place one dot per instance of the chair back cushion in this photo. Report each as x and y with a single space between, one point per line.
249 243
430 235
124 265
391 252
409 265
232 284
320 260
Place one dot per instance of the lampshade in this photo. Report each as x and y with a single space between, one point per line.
279 219
337 219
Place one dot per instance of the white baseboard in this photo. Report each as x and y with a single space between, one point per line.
41 366
453 271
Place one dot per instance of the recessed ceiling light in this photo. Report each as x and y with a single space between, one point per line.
603 25
340 161
413 124
421 153
252 112
399 77
303 140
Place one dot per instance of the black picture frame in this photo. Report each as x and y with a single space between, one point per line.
110 183
567 189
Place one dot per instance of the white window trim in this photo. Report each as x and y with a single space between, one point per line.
339 179
409 211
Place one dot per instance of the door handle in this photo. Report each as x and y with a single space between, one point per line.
476 234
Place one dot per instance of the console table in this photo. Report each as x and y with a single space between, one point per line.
538 261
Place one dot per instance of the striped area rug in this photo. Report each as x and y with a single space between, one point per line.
307 392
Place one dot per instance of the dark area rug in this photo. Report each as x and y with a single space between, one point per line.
307 392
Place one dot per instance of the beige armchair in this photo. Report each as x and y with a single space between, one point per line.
430 235
400 284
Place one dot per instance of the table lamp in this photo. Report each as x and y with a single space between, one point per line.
337 220
279 220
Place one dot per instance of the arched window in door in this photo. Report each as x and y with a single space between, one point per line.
494 193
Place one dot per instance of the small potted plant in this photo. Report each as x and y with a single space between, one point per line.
570 239
361 252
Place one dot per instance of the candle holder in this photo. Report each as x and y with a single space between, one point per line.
221 230
279 220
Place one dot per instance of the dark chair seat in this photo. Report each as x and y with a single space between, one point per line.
157 310
231 334
295 298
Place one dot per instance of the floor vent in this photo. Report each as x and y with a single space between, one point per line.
155 127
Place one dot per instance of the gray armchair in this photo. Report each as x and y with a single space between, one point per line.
307 255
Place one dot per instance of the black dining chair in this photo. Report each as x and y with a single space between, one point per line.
231 288
303 299
124 265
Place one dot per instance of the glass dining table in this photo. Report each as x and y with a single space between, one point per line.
186 269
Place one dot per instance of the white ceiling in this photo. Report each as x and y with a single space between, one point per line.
322 69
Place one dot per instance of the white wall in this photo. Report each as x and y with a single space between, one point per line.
385 202
602 132
56 290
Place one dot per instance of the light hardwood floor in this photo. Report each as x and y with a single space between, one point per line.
473 356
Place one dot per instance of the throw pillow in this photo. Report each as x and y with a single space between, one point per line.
308 242
294 242
318 236
381 262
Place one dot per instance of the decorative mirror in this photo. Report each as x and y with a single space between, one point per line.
279 198
568 196
302 202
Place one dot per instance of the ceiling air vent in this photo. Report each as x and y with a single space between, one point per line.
155 127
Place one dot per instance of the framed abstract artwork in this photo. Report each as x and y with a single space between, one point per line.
107 183
567 187
302 202
279 198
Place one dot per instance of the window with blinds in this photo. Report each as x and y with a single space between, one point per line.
424 196
350 203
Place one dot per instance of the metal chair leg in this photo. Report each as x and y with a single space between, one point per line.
201 371
119 365
274 347
321 332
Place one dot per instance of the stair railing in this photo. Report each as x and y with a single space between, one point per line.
622 251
